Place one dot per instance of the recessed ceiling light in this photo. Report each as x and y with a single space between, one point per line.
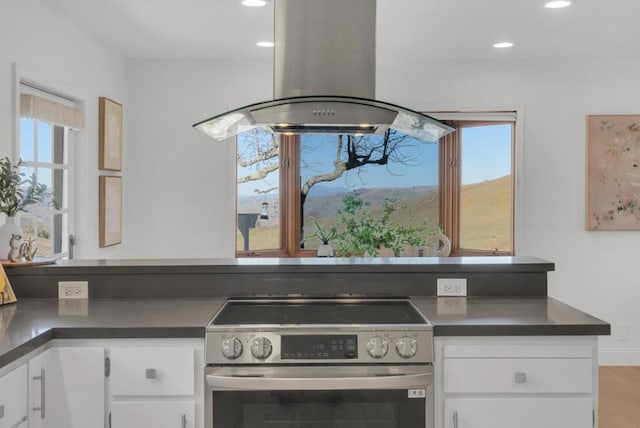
265 44
254 3
557 4
503 45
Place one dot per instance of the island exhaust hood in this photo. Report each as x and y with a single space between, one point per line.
324 78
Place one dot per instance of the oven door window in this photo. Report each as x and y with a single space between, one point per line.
387 408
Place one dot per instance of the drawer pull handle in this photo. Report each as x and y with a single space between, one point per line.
1 411
184 421
151 374
455 419
521 377
42 380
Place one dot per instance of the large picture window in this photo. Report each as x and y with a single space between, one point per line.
289 186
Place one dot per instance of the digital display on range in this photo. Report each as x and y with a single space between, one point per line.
319 347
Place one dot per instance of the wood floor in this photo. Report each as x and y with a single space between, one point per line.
619 397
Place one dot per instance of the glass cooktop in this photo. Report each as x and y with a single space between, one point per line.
314 312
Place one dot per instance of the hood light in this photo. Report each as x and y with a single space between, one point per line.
503 45
254 3
265 44
557 4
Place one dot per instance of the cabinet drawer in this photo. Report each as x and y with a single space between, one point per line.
156 414
518 412
518 375
152 371
13 397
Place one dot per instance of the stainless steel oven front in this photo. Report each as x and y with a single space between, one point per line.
320 397
319 364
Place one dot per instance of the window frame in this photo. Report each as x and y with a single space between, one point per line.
450 189
451 186
62 135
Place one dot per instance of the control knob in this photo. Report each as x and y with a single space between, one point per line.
406 347
261 348
377 347
232 348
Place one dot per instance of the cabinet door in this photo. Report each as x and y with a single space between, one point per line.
67 388
13 397
156 414
518 412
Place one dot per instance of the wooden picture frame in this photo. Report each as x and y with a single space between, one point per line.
613 172
6 292
110 135
110 210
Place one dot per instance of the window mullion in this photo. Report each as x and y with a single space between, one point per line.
290 183
450 188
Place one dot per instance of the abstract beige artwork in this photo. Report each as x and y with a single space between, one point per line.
613 172
110 135
110 210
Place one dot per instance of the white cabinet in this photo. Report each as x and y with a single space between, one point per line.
156 384
156 414
152 371
529 412
13 397
66 388
526 382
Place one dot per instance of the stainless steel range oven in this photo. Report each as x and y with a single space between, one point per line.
319 363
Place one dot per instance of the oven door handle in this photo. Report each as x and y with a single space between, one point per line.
258 383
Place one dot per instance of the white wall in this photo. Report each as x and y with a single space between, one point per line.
49 49
595 271
177 177
180 188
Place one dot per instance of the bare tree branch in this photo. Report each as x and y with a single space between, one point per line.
262 173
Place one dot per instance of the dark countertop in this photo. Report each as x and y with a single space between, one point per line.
494 316
285 265
31 323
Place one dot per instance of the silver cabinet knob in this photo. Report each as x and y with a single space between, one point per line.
377 347
521 377
150 374
406 347
232 348
261 348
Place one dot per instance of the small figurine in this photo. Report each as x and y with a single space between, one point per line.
28 249
15 248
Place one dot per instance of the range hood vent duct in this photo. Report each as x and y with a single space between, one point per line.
324 78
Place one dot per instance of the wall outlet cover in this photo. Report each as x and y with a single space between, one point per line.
452 287
73 290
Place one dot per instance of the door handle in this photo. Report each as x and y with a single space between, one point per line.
42 380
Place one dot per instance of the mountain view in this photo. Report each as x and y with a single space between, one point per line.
485 218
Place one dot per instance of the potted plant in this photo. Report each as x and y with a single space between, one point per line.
367 235
325 249
17 193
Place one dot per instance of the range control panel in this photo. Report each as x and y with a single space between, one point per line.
301 347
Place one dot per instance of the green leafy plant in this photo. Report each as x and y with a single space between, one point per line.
18 193
325 236
363 234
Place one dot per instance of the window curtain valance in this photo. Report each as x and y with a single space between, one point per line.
35 107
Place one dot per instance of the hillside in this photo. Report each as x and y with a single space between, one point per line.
485 218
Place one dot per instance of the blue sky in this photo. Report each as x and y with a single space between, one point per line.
27 145
486 155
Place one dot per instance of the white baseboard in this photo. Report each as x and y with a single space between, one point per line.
619 357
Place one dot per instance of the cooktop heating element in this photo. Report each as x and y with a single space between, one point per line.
319 331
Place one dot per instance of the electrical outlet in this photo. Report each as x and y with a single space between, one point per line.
452 287
623 332
73 290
